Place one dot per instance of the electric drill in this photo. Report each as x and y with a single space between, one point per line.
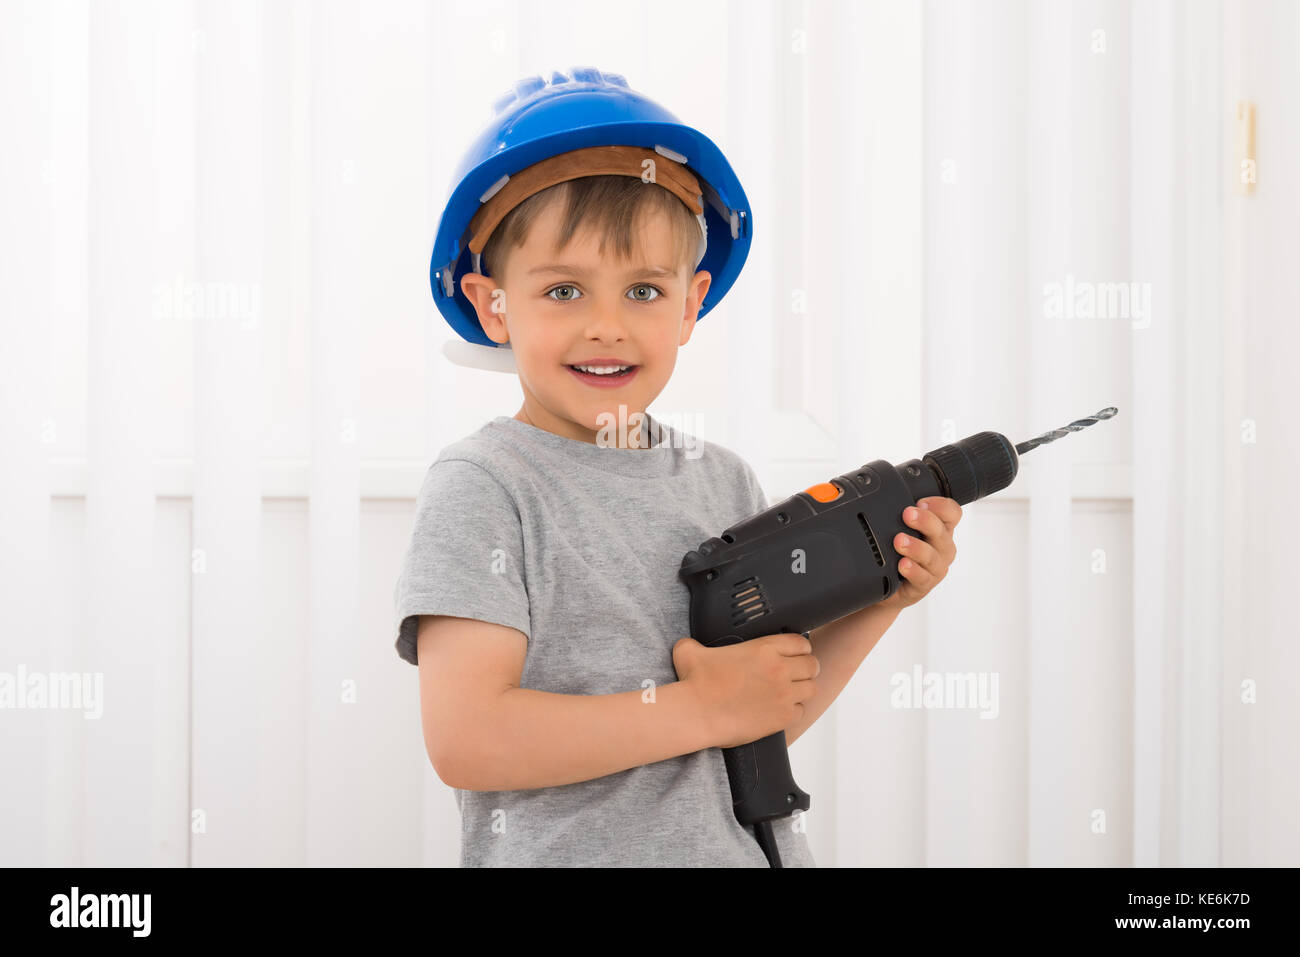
821 554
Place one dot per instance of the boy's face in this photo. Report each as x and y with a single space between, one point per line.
578 307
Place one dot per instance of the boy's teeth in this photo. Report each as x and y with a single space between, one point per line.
602 370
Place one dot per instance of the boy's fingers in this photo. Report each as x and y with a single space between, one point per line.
916 574
918 551
946 508
793 643
937 534
926 521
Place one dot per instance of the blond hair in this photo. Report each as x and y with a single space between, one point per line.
612 205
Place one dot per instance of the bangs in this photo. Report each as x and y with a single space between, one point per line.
614 207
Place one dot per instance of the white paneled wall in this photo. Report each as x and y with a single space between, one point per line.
221 382
124 754
1155 139
28 738
1260 667
229 424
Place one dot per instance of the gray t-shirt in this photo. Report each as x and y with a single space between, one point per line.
578 547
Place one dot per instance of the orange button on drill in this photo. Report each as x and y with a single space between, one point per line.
824 491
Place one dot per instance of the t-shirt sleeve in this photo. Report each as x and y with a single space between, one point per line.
758 500
466 554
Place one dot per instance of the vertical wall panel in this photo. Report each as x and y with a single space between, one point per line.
1153 228
388 704
751 90
178 47
1260 680
336 751
119 637
1051 149
1244 832
1096 815
234 716
1201 456
26 304
67 71
281 682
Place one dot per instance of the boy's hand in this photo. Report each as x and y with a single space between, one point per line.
924 563
748 690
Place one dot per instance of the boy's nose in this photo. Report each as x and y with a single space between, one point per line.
606 324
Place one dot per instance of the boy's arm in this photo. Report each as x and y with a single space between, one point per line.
483 732
840 647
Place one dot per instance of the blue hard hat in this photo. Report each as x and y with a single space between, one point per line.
538 119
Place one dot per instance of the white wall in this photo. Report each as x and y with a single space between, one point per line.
210 509
1261 286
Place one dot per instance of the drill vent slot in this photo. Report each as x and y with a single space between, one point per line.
748 601
871 540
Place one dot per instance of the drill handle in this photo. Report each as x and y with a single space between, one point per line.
762 784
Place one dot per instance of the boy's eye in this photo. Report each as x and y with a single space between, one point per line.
562 298
644 288
647 288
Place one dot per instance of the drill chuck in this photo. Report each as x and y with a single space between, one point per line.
975 466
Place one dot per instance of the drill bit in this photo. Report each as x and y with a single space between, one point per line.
1055 434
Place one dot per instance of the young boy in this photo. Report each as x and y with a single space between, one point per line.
561 696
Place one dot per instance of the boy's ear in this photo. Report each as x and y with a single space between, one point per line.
489 301
699 288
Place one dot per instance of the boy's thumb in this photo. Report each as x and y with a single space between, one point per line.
684 647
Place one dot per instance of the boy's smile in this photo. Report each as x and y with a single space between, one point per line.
590 331
604 373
